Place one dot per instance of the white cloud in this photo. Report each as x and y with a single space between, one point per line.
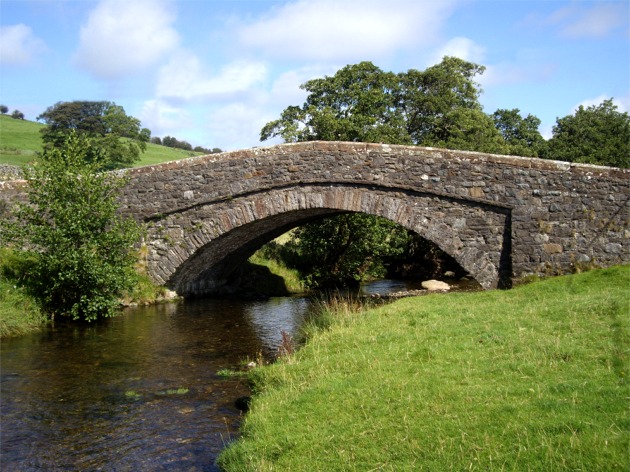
237 126
162 118
122 37
18 44
461 47
344 30
184 78
596 22
546 131
622 103
286 87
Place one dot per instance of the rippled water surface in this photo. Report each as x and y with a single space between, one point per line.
136 392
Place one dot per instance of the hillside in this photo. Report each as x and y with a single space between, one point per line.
20 141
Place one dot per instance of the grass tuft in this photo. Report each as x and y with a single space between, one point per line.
19 314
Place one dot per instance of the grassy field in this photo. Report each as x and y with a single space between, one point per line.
535 378
20 140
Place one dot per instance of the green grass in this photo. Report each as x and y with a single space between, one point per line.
155 154
20 141
19 314
535 378
291 278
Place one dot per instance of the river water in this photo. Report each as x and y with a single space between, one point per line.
138 392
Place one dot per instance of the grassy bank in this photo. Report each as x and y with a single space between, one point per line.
291 279
19 313
535 378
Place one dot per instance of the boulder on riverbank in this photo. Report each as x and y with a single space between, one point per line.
434 285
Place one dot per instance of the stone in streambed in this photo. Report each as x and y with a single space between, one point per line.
435 285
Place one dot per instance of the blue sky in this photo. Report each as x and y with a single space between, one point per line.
214 72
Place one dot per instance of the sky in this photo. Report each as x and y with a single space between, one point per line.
214 72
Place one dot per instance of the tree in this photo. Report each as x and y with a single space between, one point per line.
441 107
520 134
116 134
82 248
598 134
4 109
356 104
435 107
17 114
346 249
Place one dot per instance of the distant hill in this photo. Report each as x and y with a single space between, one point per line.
20 140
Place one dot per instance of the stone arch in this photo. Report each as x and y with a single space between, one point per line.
194 251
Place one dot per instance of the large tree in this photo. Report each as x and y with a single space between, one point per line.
598 134
435 107
358 103
521 135
83 249
118 136
441 107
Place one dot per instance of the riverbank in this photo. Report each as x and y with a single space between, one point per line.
534 378
19 313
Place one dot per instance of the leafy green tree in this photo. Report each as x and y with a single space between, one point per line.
346 249
358 103
17 114
117 135
435 107
598 134
4 109
470 129
83 250
442 109
520 134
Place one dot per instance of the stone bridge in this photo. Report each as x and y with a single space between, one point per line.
499 217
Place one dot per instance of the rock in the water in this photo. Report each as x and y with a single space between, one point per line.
435 285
